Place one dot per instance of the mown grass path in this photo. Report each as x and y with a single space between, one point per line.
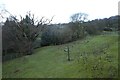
95 56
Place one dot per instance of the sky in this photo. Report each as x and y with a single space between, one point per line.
61 9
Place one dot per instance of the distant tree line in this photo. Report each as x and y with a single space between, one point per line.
78 28
99 25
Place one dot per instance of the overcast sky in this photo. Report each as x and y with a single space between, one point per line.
62 9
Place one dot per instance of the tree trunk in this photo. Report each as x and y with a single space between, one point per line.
30 48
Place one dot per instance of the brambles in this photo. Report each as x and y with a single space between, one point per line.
108 58
97 64
112 72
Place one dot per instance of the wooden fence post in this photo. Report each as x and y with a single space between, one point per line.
68 53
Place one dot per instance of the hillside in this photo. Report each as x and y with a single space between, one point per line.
94 56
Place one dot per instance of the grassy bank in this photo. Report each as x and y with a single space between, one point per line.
94 56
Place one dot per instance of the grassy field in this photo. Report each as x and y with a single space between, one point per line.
94 56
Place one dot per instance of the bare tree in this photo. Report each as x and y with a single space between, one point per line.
23 32
77 19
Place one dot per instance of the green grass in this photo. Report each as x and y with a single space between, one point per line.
94 56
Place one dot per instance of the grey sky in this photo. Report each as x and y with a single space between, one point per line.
62 9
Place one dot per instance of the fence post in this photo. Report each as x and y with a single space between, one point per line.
68 54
